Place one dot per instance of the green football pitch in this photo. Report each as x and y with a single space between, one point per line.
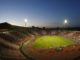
52 42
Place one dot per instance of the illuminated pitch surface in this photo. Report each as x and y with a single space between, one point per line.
50 48
52 42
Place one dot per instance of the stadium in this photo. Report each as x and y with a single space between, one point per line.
48 50
39 29
34 43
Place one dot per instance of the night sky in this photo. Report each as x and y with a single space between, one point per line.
48 13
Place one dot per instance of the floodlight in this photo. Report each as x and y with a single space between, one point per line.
25 20
65 21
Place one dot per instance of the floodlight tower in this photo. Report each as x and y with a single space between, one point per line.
25 20
65 23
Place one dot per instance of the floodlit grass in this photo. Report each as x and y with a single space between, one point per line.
52 41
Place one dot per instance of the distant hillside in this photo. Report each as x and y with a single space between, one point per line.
5 25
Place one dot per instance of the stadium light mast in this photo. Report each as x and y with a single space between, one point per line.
65 23
25 20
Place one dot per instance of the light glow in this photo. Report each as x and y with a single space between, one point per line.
25 20
65 21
